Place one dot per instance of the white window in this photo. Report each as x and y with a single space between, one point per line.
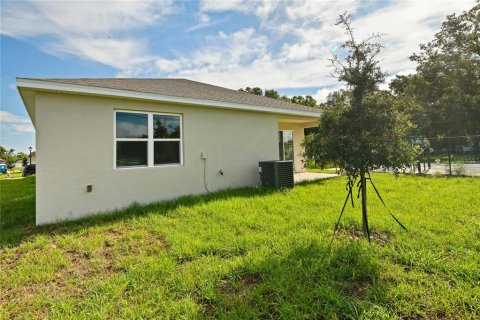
145 139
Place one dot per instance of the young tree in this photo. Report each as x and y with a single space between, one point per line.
361 129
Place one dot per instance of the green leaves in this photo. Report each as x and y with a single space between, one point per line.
308 101
373 137
362 128
9 157
447 83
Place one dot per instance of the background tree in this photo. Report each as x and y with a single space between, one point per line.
361 129
2 152
447 84
272 93
256 90
10 158
308 101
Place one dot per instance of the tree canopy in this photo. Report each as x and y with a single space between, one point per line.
256 90
446 86
305 100
272 93
9 157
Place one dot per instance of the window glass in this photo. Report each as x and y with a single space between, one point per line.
132 153
132 125
288 144
280 145
166 126
166 152
285 140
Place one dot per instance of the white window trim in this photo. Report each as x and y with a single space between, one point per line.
150 140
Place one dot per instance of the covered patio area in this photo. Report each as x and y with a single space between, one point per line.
290 137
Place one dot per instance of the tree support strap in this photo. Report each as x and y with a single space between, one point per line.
380 197
349 187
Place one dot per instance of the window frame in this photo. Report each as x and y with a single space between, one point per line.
150 140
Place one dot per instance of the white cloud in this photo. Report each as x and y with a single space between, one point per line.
288 48
322 94
100 31
297 51
128 129
309 27
406 25
388 79
228 5
203 21
15 123
222 53
79 17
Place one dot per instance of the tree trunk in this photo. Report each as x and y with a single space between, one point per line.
363 182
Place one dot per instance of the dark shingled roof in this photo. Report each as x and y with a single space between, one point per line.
181 88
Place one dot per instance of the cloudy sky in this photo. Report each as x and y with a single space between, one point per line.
282 45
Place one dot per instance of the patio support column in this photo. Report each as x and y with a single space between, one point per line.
298 137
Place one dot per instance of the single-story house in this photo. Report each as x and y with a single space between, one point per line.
103 144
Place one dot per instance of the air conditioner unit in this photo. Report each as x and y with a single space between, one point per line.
276 173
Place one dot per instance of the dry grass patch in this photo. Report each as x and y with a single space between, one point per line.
354 233
238 288
71 264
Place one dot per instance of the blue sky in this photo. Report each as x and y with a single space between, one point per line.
282 45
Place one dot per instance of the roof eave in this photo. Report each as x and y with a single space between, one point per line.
28 98
45 85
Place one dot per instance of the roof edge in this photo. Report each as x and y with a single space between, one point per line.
46 85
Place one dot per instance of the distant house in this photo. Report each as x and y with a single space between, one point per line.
103 144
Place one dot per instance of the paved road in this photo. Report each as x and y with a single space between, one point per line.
469 169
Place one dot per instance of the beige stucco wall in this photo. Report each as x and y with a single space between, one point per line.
75 147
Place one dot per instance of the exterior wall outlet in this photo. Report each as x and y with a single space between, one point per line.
204 155
89 188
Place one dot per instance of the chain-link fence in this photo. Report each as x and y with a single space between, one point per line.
447 155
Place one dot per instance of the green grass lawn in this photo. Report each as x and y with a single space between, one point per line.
249 253
15 173
326 170
312 167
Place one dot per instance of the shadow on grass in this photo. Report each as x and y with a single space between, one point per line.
17 210
309 282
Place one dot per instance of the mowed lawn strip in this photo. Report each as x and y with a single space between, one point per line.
250 253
